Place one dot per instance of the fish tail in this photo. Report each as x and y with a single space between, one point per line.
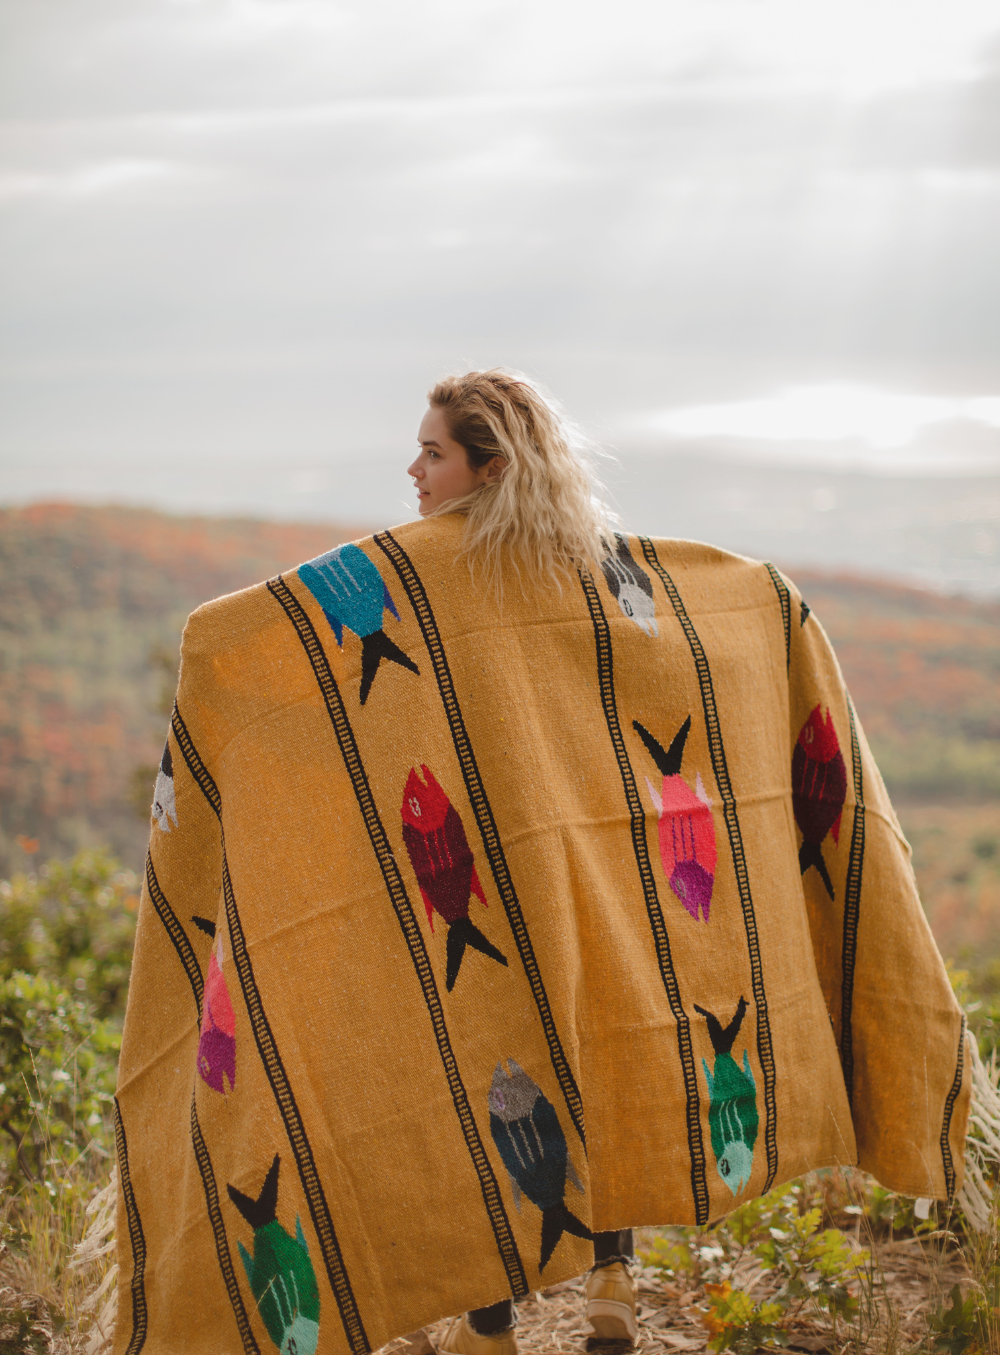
556 1220
258 1213
455 949
461 933
811 854
375 648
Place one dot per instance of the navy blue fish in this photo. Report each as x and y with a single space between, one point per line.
532 1146
353 594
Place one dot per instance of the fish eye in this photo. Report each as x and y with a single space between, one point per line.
414 806
626 606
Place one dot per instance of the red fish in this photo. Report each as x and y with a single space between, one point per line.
687 829
819 789
446 873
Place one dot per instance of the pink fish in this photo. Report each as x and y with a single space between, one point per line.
446 872
217 1046
686 827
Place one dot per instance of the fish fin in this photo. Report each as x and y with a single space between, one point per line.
375 648
556 1220
835 828
700 791
811 854
709 1079
515 1190
747 1069
264 1209
429 906
477 888
338 629
300 1236
203 925
247 1260
656 798
572 1174
387 600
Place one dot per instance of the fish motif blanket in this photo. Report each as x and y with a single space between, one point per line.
470 928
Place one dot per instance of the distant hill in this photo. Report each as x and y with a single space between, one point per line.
93 601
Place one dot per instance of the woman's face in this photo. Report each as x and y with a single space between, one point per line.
442 471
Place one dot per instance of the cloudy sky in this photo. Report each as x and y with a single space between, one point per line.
240 238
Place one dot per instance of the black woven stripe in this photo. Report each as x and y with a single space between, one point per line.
277 1076
195 765
661 940
485 821
219 1229
176 933
765 1049
140 1313
784 597
852 913
412 934
949 1109
183 947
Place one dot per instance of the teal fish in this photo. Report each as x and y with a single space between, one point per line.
280 1272
732 1110
353 594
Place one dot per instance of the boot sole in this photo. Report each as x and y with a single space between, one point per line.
612 1321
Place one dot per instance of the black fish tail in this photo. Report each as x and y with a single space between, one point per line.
723 1038
375 648
455 949
668 761
556 1220
811 854
464 933
264 1209
475 939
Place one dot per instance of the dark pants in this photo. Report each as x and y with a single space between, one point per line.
499 1317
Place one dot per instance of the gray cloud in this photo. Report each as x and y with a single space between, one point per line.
253 232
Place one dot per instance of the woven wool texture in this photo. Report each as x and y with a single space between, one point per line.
471 926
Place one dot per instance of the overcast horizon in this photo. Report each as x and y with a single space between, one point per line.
243 237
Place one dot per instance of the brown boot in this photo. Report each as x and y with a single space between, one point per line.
611 1302
460 1339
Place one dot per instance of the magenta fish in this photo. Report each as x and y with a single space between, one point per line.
819 789
687 829
217 1045
446 873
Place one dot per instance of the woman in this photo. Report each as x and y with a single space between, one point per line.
492 448
512 883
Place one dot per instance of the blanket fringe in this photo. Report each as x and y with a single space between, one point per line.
99 1241
978 1197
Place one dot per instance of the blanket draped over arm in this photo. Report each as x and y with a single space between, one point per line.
470 927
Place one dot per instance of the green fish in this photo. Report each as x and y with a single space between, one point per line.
280 1273
732 1110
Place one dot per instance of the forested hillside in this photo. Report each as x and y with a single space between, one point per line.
92 605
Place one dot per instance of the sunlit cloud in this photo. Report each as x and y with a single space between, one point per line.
829 412
88 180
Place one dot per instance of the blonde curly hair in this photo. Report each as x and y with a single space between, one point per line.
546 507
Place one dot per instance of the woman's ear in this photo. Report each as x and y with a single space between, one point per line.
497 467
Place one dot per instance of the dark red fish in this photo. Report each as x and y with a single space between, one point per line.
819 789
446 873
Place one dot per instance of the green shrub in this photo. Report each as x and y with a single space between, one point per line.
73 923
58 1063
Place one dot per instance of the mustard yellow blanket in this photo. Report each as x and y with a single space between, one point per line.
469 929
